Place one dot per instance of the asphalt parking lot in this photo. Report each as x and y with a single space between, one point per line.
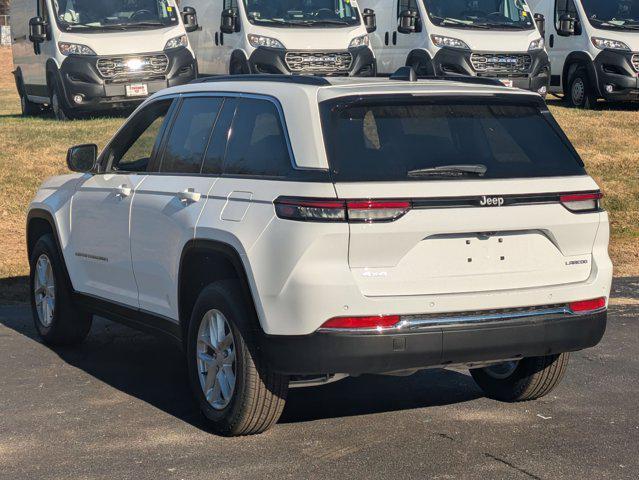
118 408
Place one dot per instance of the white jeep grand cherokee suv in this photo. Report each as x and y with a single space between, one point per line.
291 231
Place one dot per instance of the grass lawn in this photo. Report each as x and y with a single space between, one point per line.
32 149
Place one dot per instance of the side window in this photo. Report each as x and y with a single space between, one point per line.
189 135
42 10
214 157
230 5
403 5
563 7
133 148
257 145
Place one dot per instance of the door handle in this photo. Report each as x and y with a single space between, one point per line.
386 38
221 38
394 38
189 196
123 191
217 41
551 42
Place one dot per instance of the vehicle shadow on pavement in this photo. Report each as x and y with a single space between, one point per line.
153 370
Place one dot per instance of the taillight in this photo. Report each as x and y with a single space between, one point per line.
354 323
581 202
586 306
353 211
307 210
377 210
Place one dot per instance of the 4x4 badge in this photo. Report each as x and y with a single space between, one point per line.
491 201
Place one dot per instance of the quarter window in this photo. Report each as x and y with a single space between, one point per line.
214 157
190 134
257 146
133 149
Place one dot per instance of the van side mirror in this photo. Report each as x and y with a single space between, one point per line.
189 17
540 22
407 22
82 158
37 30
566 25
370 20
230 23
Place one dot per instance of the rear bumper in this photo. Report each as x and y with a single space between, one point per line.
437 345
79 76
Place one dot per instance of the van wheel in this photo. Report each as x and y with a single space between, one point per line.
581 93
235 389
527 379
29 108
58 107
58 320
238 67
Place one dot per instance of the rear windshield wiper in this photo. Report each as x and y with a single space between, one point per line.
450 171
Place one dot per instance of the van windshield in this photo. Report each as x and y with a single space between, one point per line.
613 14
114 14
301 13
386 139
493 14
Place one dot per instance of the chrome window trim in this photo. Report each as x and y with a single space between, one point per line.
417 323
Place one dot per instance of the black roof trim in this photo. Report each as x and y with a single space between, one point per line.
295 79
493 82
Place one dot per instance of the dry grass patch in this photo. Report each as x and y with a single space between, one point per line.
32 149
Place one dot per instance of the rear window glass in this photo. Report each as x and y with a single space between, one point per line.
396 141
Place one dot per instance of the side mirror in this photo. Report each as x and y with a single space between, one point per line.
37 30
82 158
229 21
566 26
370 20
407 22
189 17
540 22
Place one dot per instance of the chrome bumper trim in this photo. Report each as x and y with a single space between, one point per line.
416 323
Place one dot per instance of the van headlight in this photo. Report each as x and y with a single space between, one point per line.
177 42
359 41
535 45
74 49
449 42
605 43
262 41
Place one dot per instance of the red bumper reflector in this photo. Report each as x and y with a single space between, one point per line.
588 305
362 322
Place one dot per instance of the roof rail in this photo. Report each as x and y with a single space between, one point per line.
295 79
408 74
494 82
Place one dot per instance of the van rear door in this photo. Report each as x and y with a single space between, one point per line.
457 195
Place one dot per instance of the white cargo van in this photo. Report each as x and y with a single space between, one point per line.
84 56
487 38
307 37
594 49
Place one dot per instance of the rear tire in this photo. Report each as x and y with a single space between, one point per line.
530 379
58 320
581 93
243 396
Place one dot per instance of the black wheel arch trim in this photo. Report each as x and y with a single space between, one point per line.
231 253
241 56
580 58
421 56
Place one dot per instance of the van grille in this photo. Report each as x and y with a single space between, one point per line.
499 63
635 61
133 66
324 62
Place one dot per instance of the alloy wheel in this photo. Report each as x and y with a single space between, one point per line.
216 360
44 290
